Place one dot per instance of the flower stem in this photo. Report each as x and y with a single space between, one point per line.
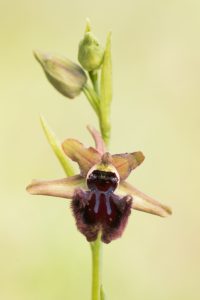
96 248
92 98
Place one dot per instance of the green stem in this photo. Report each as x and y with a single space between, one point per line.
92 98
96 248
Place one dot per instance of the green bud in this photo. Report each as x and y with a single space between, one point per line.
90 54
67 77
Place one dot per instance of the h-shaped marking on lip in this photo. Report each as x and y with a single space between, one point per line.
97 201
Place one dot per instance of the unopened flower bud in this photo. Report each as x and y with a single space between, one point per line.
90 54
67 77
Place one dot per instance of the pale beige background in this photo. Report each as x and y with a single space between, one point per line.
156 109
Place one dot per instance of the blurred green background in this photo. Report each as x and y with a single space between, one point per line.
156 109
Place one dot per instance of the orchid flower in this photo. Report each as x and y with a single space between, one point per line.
101 198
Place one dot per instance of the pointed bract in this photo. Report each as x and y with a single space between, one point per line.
106 90
56 147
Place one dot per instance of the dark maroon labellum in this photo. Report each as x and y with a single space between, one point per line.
99 209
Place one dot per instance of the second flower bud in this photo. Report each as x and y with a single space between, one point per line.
90 54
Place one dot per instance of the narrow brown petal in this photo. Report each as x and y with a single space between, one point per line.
125 163
143 202
99 143
63 188
85 157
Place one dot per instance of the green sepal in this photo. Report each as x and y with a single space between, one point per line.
56 147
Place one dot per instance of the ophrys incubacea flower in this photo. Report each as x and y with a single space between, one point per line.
102 199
